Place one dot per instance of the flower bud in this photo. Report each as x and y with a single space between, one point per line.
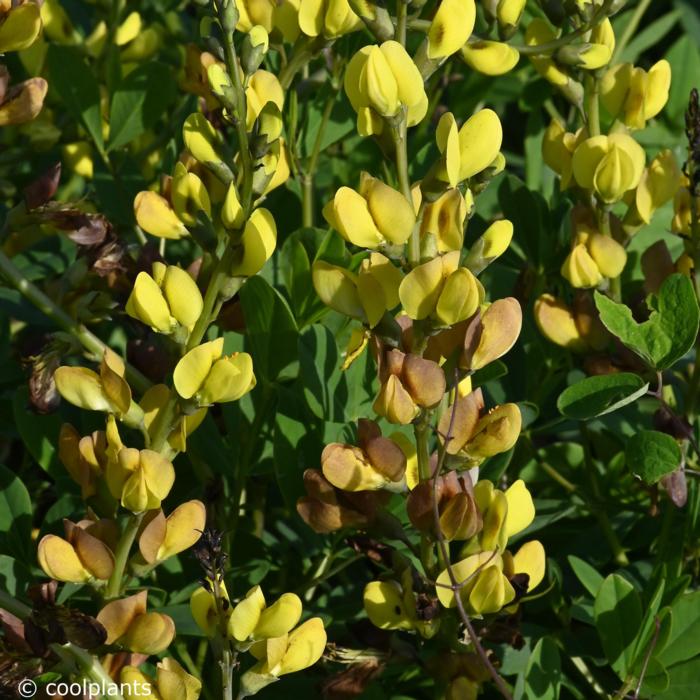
608 254
232 214
130 626
490 57
328 18
586 55
20 25
254 48
452 25
556 322
609 165
377 463
378 81
155 216
23 102
79 558
580 269
466 571
326 509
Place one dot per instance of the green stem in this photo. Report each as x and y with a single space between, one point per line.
89 667
303 52
401 155
420 431
51 310
401 20
121 555
307 200
592 106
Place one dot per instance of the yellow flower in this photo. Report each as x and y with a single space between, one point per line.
155 216
189 195
257 244
107 391
445 218
20 25
580 269
490 57
140 479
452 25
557 323
372 216
558 146
131 627
658 184
263 87
291 652
162 538
379 80
255 12
469 150
252 619
440 289
635 95
609 165
165 300
207 377
80 557
384 605
172 682
366 295
508 13
329 18
539 32
201 139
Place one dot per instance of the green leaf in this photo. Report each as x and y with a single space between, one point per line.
684 57
586 574
14 576
684 639
270 328
139 101
543 672
649 36
15 517
596 396
74 82
618 615
684 682
651 455
670 330
39 434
